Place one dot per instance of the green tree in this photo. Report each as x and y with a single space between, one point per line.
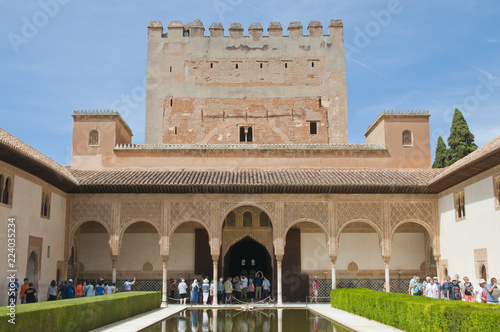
440 159
461 140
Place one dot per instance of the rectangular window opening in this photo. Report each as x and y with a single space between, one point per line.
171 102
170 68
313 127
48 251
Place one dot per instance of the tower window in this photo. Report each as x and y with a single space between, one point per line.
171 102
246 134
236 66
175 130
211 64
286 65
407 138
5 190
313 127
460 205
94 138
312 64
261 65
170 68
45 209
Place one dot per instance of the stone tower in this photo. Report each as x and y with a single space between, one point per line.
236 89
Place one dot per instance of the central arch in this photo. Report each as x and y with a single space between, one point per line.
246 257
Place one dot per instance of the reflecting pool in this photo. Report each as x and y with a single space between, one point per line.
233 320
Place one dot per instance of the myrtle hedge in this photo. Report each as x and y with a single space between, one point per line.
417 313
80 314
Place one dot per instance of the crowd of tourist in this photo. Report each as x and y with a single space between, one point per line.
67 289
233 290
455 289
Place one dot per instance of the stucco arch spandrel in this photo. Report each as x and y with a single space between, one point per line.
432 234
150 211
265 242
317 223
365 221
221 129
75 227
424 212
177 225
347 211
131 222
200 212
269 208
316 211
101 212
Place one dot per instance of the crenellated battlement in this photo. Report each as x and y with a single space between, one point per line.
194 29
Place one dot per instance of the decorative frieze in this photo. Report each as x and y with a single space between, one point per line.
141 211
317 211
180 211
347 211
91 211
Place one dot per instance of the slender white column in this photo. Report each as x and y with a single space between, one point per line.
334 277
215 261
387 277
164 302
280 320
280 298
113 275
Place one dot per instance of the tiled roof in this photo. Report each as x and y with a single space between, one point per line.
257 181
23 156
477 162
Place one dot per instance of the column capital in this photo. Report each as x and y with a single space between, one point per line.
114 259
279 258
215 258
333 259
164 258
386 259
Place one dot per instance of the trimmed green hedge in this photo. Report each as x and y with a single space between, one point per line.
81 314
417 313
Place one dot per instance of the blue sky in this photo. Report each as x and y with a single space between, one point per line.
61 55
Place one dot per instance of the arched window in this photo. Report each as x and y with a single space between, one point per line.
483 272
264 220
246 134
93 138
231 219
247 219
6 192
407 138
45 210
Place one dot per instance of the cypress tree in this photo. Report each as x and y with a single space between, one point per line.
461 140
440 159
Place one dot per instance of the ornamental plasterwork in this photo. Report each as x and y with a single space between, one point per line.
147 211
369 211
181 211
98 211
306 210
226 207
423 211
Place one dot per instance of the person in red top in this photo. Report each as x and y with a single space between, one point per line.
79 290
24 287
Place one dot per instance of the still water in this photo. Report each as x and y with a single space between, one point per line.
265 320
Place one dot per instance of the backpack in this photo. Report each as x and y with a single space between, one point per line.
455 293
70 292
418 289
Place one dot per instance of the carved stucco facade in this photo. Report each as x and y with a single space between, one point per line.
330 214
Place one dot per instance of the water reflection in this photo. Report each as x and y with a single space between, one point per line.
265 320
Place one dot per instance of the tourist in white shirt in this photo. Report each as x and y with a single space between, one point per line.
431 289
127 285
481 296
